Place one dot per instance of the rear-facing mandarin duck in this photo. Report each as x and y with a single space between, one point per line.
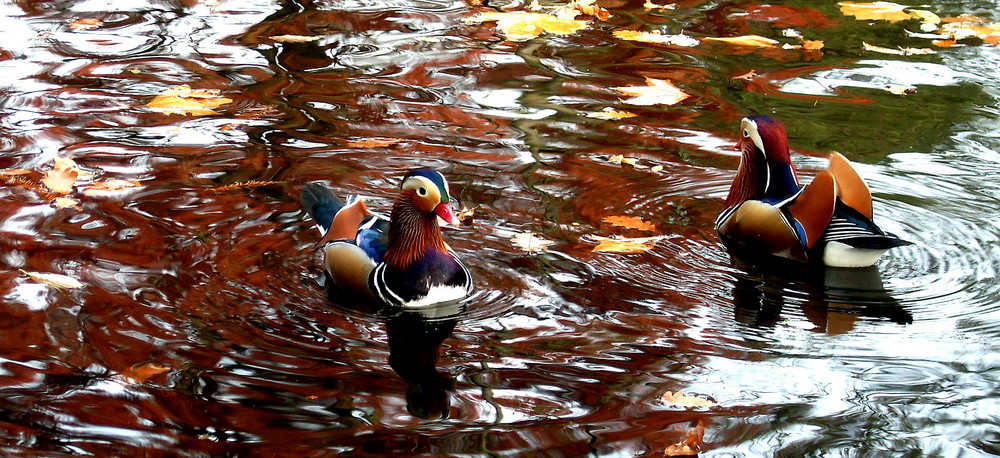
828 221
401 260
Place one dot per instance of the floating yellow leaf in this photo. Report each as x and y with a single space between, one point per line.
620 159
523 26
898 51
586 7
296 38
649 5
691 445
531 242
656 168
971 26
184 100
881 11
746 76
631 222
678 399
85 24
373 142
656 37
755 41
618 244
658 92
54 280
610 114
61 180
926 16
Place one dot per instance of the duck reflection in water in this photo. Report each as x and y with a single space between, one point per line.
831 298
414 351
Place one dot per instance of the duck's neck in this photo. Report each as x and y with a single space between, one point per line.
782 182
411 234
751 178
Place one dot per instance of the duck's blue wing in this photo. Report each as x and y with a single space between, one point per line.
321 204
373 237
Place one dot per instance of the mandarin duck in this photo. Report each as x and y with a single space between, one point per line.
399 261
828 221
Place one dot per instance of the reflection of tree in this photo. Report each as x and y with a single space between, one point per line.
414 350
830 298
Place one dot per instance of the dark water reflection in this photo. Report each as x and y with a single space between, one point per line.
202 331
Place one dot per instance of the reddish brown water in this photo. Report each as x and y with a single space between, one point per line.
202 328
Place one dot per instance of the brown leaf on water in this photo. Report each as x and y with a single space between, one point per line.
13 172
111 185
879 11
746 76
691 445
678 399
531 242
184 100
521 25
141 374
85 24
620 159
54 280
657 92
609 114
754 41
373 142
631 222
586 7
466 215
245 185
649 5
296 38
898 51
964 27
65 202
619 244
944 43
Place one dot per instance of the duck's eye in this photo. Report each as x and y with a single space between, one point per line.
422 191
746 133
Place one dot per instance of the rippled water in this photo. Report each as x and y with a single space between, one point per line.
203 327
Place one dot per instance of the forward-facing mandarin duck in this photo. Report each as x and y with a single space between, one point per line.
401 260
828 221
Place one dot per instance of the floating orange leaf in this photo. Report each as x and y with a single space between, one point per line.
466 215
656 37
678 399
13 172
110 185
691 445
373 142
746 76
523 26
618 244
54 280
531 242
295 38
184 100
65 202
85 24
658 92
880 11
649 5
61 179
631 222
610 114
755 41
620 159
964 27
586 7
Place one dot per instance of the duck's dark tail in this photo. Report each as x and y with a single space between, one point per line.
321 204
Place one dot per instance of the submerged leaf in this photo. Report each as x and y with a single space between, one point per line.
54 280
610 114
755 41
184 100
618 244
631 222
143 373
373 142
658 92
531 242
691 445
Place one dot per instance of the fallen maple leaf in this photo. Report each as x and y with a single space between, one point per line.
466 215
691 445
531 242
520 25
881 11
184 100
373 142
143 373
658 92
755 41
61 180
656 37
618 244
678 399
610 114
296 38
54 280
898 51
85 24
631 222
